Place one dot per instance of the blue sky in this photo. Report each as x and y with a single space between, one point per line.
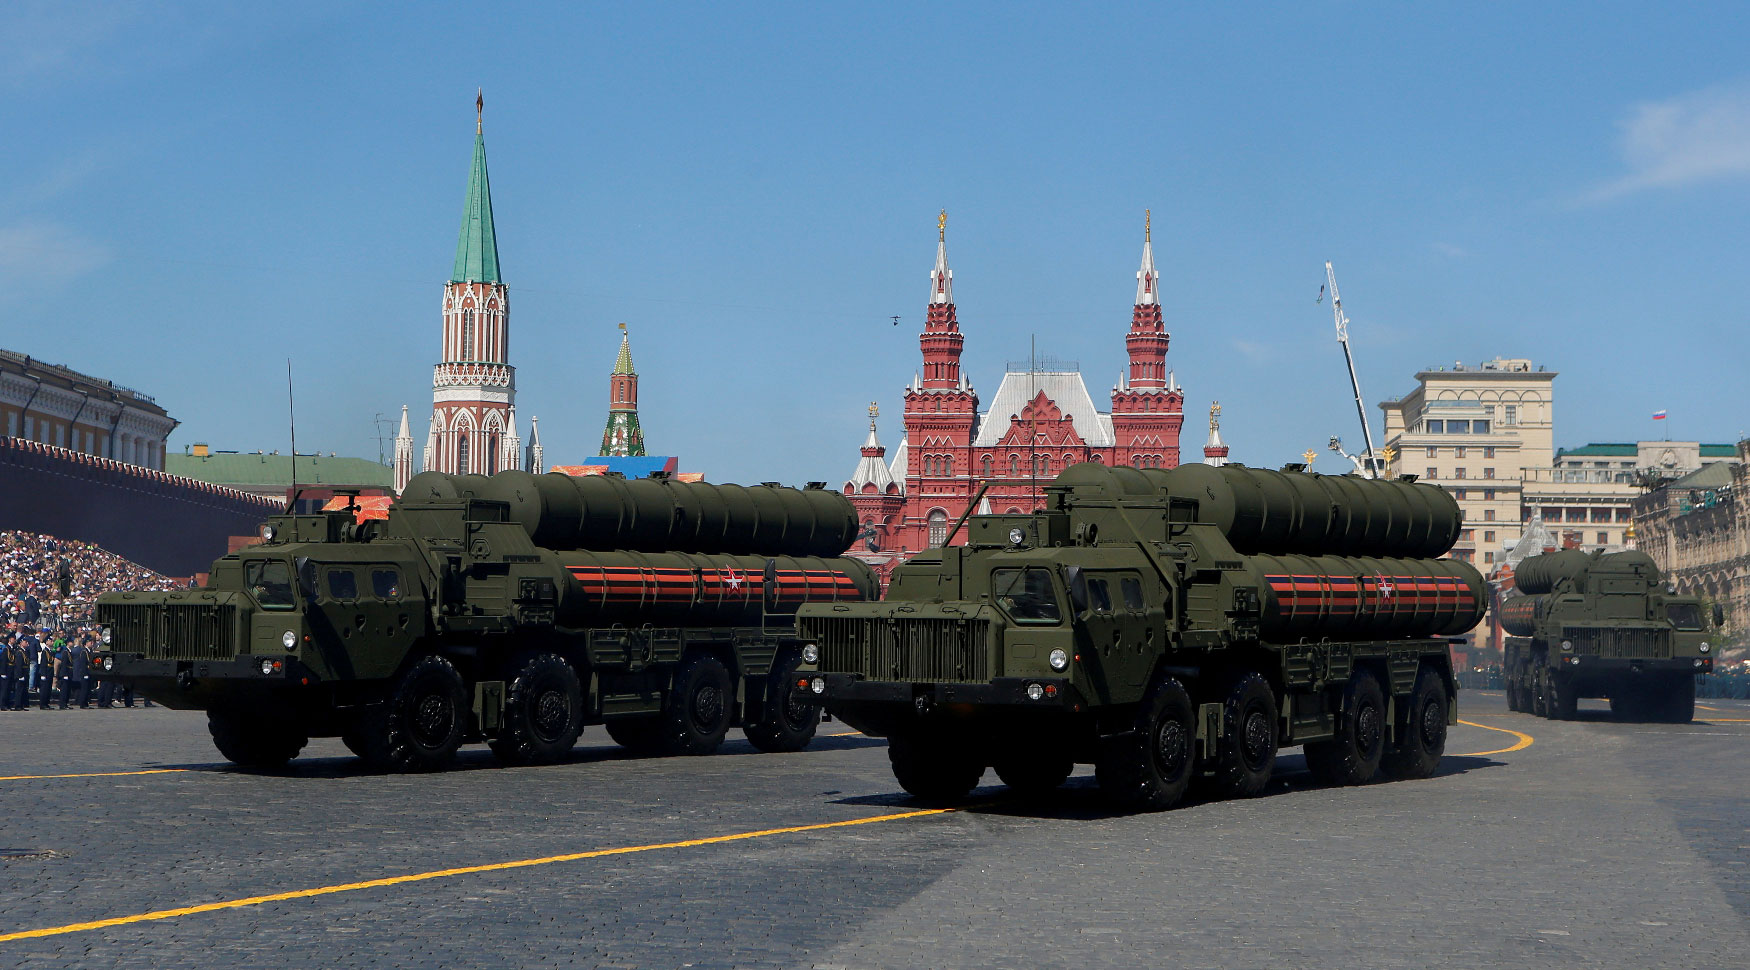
193 193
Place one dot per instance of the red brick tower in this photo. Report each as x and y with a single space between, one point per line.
941 411
474 388
1147 407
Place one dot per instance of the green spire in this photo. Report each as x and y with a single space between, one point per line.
623 364
477 249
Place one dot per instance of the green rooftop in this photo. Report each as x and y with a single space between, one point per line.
1607 449
1719 451
477 249
241 471
1716 475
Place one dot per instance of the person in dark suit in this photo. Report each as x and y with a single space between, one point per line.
80 676
45 667
9 668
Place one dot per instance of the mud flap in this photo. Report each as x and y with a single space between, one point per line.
1209 717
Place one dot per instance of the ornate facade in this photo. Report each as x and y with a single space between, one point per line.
1697 529
473 411
1041 420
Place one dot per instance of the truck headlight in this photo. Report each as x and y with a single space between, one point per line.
289 639
107 634
269 533
108 663
1567 645
1704 648
818 685
1035 691
1017 536
811 653
267 667
1059 659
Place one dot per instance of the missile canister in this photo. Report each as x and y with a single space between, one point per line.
1283 513
1313 597
651 515
1540 574
1521 614
683 589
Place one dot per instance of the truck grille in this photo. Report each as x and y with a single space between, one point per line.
922 650
1621 643
173 631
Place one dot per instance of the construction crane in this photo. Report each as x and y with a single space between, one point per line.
1367 463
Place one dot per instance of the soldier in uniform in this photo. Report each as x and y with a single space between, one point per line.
45 667
9 667
79 678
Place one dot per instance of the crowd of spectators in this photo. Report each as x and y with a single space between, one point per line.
48 588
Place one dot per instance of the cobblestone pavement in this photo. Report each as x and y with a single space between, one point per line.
1602 844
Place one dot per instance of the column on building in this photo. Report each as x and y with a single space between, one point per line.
403 453
1148 408
535 460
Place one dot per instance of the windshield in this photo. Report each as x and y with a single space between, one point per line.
1684 616
270 582
1026 594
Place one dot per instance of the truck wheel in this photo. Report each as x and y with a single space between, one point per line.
253 741
420 725
1149 767
1421 740
698 710
788 719
543 713
1245 754
1513 698
1352 757
1034 772
939 770
1540 693
1561 700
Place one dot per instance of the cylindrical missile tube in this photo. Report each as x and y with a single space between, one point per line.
650 515
1314 597
1520 615
685 589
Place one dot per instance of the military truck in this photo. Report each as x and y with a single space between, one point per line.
513 609
1602 625
1168 627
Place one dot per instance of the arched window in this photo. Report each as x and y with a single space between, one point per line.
1014 466
491 454
938 528
948 466
1041 466
462 452
988 466
467 334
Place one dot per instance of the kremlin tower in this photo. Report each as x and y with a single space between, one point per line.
473 414
1215 452
623 438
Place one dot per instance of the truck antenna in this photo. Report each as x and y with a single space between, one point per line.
292 421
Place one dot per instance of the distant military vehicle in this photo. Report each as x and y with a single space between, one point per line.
513 609
1602 625
1168 627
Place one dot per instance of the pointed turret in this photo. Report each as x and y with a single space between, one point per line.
477 248
623 437
1147 341
403 453
511 455
1215 452
535 461
872 469
941 340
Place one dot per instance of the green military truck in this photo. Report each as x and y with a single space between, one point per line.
1168 627
1602 625
513 609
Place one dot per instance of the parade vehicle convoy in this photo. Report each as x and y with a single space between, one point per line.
1603 625
513 609
1170 627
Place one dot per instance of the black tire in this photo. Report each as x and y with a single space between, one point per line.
788 718
1629 702
699 708
1560 700
1148 768
1352 757
1034 772
1245 754
1421 740
642 734
1540 692
937 768
254 741
419 726
1513 698
543 712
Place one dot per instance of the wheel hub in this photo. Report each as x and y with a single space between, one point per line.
1170 748
551 714
1367 733
432 719
1433 722
1255 740
707 705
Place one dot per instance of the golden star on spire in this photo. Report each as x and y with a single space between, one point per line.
1310 456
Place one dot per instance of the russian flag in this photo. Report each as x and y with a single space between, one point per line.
1658 415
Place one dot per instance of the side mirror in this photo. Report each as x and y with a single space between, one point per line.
1719 615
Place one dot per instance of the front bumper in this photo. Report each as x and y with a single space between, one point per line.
198 684
1056 693
1584 665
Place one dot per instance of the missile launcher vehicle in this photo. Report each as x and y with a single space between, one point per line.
513 609
1171 628
1602 625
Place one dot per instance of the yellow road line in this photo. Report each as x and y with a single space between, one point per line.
1727 720
100 774
1706 708
444 873
1523 742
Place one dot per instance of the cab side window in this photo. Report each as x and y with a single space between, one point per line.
1132 588
386 583
1099 597
342 584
